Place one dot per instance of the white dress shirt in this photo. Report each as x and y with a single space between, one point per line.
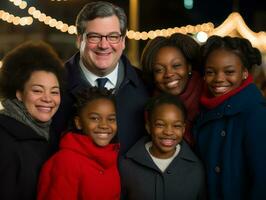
91 78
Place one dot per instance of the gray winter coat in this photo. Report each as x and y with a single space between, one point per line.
141 179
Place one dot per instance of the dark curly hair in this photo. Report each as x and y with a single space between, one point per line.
85 95
241 47
22 61
184 43
161 99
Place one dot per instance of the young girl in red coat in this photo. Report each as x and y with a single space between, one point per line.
85 168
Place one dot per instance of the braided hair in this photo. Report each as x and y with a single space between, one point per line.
249 55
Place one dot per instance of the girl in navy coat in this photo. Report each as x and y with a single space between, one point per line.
230 132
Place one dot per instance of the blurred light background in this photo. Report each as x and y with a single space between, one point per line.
150 15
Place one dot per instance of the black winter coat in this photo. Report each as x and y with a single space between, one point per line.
141 179
22 153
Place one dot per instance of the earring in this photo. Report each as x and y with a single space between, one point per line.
189 74
245 77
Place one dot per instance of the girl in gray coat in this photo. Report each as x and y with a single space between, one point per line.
162 166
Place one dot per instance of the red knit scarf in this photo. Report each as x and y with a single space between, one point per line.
191 95
191 99
209 101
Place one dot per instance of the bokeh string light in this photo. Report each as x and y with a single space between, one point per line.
50 21
15 20
233 22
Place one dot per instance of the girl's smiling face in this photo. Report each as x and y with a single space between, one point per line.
166 128
224 72
98 120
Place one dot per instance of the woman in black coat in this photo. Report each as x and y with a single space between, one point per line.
30 81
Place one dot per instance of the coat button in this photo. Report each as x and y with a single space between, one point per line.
223 133
217 169
101 171
228 106
169 172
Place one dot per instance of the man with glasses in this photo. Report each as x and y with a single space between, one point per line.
101 31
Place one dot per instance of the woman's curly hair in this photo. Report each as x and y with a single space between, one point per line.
22 61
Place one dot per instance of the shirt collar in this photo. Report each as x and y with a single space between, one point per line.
91 78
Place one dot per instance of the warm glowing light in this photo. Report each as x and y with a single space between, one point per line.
42 17
64 28
10 18
170 31
17 2
165 32
16 20
137 36
23 5
236 22
158 33
189 29
5 16
144 35
31 10
131 34
47 20
36 14
29 20
72 30
201 36
233 24
151 34
22 21
52 22
59 25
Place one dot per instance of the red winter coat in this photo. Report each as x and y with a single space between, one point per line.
80 171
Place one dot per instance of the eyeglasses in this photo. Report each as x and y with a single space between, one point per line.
95 38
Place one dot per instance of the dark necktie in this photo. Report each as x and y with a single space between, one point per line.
101 82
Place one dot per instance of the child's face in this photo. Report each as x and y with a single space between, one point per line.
166 127
224 72
98 120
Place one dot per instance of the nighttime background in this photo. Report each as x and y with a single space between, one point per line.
153 14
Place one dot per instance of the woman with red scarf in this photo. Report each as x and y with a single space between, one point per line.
170 65
230 132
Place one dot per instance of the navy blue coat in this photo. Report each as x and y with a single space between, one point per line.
230 139
22 154
141 179
131 97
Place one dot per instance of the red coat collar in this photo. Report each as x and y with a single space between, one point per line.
82 144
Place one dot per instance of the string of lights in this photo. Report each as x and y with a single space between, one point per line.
15 20
201 31
136 35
